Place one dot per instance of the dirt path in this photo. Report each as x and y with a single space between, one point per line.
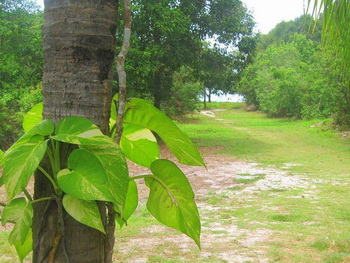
222 239
225 186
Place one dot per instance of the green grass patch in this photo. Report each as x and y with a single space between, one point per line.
254 137
222 105
249 180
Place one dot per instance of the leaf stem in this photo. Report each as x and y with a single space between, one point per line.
57 158
27 194
42 199
55 186
3 204
52 160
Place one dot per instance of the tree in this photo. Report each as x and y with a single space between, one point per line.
291 80
79 43
81 180
184 93
285 30
21 64
218 70
169 34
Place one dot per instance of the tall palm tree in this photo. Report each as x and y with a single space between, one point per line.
79 44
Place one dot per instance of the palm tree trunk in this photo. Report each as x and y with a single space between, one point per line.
79 46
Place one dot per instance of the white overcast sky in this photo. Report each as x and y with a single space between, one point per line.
268 13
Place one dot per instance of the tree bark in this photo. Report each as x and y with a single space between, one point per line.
79 45
209 94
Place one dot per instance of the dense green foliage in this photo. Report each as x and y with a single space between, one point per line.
169 34
183 93
21 64
97 171
335 40
291 76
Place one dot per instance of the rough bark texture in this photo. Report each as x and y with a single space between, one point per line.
79 45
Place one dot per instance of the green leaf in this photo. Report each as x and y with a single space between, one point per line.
114 164
113 117
85 212
32 117
131 203
20 164
21 213
24 249
1 158
143 113
171 199
139 145
114 107
42 128
86 178
1 164
81 131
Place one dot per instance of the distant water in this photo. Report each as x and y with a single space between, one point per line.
227 98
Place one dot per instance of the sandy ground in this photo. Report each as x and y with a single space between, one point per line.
231 243
222 240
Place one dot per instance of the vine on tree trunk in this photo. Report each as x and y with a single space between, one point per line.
121 69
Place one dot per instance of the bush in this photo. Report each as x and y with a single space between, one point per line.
184 94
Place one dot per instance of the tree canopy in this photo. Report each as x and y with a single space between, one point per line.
290 76
170 34
21 64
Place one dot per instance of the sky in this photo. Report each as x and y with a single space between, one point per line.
268 13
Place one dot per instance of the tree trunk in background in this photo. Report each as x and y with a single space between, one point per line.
79 45
157 88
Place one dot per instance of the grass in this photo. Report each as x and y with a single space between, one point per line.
253 137
222 105
310 224
254 179
307 228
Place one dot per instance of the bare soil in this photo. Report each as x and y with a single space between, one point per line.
222 239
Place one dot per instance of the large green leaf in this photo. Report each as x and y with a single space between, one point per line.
41 129
86 178
20 164
32 117
20 212
116 170
143 113
81 131
85 212
171 199
24 249
139 145
131 203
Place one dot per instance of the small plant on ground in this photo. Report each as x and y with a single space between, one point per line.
96 170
